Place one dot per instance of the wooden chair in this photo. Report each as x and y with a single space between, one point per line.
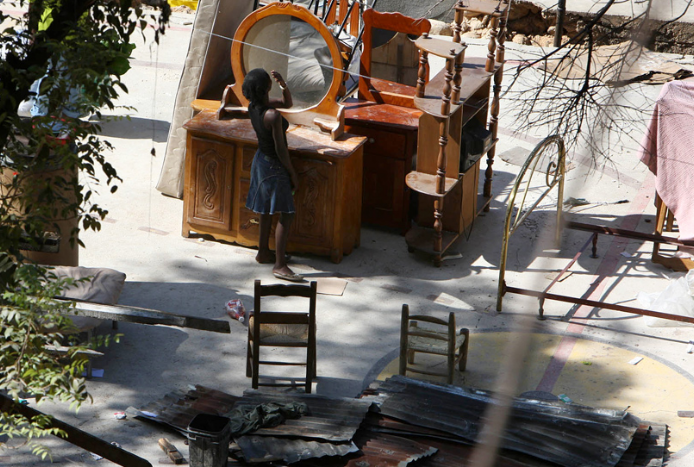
282 329
437 337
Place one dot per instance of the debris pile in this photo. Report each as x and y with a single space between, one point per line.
403 420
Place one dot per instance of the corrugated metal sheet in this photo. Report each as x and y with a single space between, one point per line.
380 450
177 409
566 434
330 419
257 449
452 451
629 456
418 422
383 449
654 447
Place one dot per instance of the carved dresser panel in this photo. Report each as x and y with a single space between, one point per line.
328 200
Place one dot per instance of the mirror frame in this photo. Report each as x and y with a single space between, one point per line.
391 93
327 115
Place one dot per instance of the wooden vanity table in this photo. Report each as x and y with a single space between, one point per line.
391 145
385 113
218 169
221 145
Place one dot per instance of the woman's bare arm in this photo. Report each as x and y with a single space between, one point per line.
286 102
273 120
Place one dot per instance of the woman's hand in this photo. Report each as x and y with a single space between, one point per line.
278 78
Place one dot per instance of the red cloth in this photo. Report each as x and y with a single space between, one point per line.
668 151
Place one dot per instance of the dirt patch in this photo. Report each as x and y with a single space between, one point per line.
530 24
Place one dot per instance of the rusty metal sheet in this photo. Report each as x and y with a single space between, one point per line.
629 456
452 451
654 448
177 409
566 434
383 449
258 449
331 418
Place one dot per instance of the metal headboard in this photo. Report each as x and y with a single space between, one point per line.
554 176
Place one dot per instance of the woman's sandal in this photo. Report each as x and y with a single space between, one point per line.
292 277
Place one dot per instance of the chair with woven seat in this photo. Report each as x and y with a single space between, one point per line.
282 329
435 336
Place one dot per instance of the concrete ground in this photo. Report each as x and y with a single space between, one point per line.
358 332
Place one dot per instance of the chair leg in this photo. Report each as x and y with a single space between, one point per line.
410 353
256 364
462 363
314 372
403 340
402 370
450 363
249 359
307 387
310 368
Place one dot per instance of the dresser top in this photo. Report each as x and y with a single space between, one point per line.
299 138
361 111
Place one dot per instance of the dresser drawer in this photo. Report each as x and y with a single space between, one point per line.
381 142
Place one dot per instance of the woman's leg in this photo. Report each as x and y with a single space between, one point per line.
281 236
265 255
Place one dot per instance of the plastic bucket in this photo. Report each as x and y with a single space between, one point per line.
208 440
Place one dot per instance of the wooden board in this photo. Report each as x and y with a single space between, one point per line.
147 316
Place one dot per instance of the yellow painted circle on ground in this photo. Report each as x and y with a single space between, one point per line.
596 374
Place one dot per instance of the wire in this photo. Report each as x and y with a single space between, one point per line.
312 60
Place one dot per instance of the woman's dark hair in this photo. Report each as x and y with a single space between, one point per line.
256 84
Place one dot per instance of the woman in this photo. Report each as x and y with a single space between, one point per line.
273 178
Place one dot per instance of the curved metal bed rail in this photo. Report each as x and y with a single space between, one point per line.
554 176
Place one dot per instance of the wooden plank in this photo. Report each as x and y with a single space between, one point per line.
147 316
78 437
171 451
62 350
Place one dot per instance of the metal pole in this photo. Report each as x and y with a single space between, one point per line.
561 12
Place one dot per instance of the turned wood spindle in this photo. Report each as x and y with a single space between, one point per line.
495 105
458 78
441 159
422 72
458 22
494 31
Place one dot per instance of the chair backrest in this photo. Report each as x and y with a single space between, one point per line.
282 290
389 91
406 331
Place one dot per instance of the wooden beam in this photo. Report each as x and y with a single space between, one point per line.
138 315
171 451
78 437
63 350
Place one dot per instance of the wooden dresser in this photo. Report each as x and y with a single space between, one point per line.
217 177
391 144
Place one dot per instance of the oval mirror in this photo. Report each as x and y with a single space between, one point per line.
291 40
295 49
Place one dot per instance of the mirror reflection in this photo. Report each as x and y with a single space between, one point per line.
394 57
297 51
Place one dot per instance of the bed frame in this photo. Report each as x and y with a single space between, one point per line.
516 213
